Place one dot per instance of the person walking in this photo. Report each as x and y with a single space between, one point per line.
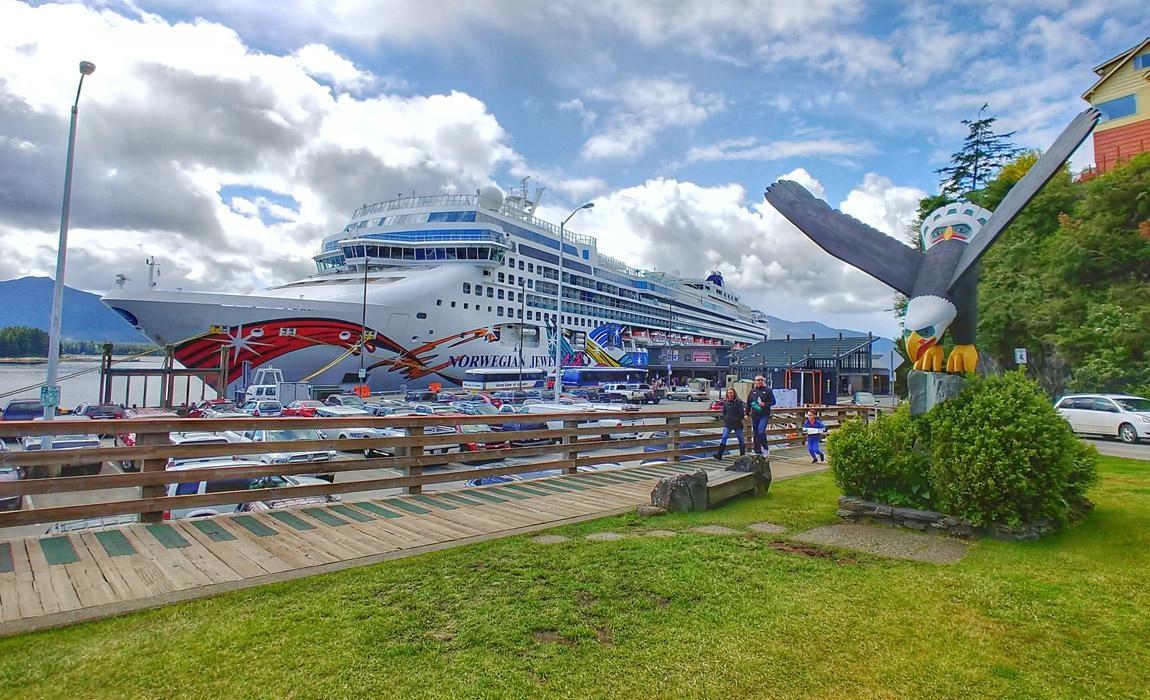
759 403
733 413
815 431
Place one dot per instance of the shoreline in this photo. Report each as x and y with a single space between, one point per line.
63 358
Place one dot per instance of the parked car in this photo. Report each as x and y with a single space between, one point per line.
511 396
23 409
420 396
619 427
686 393
196 437
1112 415
863 398
351 430
492 480
302 409
444 448
249 483
482 438
716 405
129 439
262 409
527 423
628 393
10 474
475 409
445 397
286 435
100 411
349 400
688 439
75 441
204 408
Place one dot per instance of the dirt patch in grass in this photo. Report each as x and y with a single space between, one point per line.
550 637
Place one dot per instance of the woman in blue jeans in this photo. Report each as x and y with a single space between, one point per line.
733 412
815 431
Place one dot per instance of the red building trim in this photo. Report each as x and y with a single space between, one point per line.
1115 146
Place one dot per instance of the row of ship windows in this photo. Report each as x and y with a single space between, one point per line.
532 315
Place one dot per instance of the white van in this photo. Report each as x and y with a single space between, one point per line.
1113 415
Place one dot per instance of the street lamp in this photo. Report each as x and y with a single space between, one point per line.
53 391
559 315
522 307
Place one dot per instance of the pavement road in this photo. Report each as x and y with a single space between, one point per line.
1113 448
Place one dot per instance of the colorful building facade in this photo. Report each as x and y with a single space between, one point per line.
1122 95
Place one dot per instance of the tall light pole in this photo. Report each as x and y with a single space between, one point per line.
86 68
559 306
522 307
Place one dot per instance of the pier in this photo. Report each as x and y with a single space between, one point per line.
70 575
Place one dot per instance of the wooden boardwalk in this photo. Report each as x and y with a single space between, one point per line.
49 581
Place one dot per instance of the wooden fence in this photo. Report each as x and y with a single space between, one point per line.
153 448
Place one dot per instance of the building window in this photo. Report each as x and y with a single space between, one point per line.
466 287
490 292
530 284
421 315
499 310
519 314
520 264
488 309
500 293
502 277
465 306
1121 107
531 268
478 290
510 262
453 304
510 279
1142 61
439 302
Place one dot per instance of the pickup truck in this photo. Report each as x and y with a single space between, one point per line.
628 393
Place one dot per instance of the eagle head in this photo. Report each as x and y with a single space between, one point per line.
955 221
927 318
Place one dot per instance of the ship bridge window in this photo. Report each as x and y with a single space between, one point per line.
451 216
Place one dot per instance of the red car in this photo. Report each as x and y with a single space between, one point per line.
302 409
717 405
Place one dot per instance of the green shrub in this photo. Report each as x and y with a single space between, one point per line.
879 461
1000 453
996 454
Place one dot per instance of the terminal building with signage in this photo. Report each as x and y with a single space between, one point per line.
820 369
682 362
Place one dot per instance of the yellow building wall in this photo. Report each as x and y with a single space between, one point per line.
1122 82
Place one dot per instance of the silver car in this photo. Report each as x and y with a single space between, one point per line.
249 483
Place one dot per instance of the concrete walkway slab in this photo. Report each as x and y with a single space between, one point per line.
888 542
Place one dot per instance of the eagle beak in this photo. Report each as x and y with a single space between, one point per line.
916 345
948 234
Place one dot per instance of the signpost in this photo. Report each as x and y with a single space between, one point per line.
1020 356
50 396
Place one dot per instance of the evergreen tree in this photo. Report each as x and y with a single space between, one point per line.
983 153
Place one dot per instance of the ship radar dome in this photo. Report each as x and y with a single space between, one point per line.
490 197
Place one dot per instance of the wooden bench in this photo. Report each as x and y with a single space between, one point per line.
722 486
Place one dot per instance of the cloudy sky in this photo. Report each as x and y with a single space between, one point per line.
226 138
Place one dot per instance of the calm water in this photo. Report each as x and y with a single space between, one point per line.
86 387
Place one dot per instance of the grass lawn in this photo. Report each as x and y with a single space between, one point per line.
694 615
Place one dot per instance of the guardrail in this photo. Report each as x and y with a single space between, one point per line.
153 448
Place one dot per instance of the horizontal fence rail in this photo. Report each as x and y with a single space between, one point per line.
409 456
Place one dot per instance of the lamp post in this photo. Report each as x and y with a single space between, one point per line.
522 307
86 68
559 305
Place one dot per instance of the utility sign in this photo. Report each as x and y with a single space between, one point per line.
50 396
1020 356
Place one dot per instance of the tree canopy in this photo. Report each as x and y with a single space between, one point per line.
982 155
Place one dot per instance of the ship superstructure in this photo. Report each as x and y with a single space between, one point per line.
417 290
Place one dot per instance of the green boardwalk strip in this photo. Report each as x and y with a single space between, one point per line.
565 484
253 526
433 502
292 520
372 508
6 563
459 498
526 489
114 543
404 505
324 517
58 550
503 492
486 495
550 485
352 513
167 536
213 530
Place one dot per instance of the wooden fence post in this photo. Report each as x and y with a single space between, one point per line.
674 425
414 451
571 440
153 465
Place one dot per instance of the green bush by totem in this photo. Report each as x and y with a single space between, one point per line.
998 453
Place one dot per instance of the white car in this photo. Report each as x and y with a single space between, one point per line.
619 428
289 434
1113 415
67 442
352 431
249 483
198 437
686 393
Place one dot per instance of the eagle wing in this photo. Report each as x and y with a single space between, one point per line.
1025 189
845 237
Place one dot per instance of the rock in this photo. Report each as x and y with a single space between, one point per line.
767 527
715 530
914 524
844 513
760 466
928 389
605 536
928 516
885 511
682 493
550 539
648 511
660 533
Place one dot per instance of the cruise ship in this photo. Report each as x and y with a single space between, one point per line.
418 290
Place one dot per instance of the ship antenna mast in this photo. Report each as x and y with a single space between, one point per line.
153 271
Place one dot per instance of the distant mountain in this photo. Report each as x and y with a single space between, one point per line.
780 328
28 302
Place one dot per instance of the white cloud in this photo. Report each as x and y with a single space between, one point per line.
322 62
644 109
576 106
882 204
746 149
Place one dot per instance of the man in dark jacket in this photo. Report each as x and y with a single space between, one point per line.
759 403
733 413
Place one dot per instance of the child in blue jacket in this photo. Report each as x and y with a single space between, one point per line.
814 436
